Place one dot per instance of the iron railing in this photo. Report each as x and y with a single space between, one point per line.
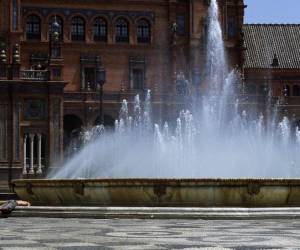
34 75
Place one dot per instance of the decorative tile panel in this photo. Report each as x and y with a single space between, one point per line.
34 109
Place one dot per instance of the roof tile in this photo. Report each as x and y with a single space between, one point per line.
262 41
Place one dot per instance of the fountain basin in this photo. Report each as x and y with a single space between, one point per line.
160 192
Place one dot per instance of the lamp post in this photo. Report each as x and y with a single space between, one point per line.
101 78
54 39
3 61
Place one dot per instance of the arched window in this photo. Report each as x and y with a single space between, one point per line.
296 90
60 21
143 31
231 27
250 89
78 29
33 28
122 30
100 30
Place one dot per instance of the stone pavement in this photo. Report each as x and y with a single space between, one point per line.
58 233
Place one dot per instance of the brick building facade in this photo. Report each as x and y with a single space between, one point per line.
52 52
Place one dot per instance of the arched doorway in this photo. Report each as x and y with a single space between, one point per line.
72 129
296 90
108 121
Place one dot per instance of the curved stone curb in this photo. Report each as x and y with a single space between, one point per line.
157 212
160 192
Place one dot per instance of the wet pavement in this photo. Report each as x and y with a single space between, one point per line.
58 233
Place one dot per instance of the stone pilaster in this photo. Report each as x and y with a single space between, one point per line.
31 142
56 130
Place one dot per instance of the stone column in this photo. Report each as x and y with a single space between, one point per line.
39 169
31 140
25 152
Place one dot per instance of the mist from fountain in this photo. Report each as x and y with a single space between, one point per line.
219 140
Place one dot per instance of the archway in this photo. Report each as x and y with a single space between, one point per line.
108 121
72 129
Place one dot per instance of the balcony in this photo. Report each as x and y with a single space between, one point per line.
34 75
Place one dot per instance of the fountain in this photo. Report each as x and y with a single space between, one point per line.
142 163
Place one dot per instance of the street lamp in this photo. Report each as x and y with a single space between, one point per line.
101 78
55 30
55 34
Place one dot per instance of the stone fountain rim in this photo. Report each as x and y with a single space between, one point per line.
163 181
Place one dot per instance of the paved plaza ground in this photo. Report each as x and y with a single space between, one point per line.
52 233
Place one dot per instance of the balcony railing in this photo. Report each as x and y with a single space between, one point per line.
34 75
